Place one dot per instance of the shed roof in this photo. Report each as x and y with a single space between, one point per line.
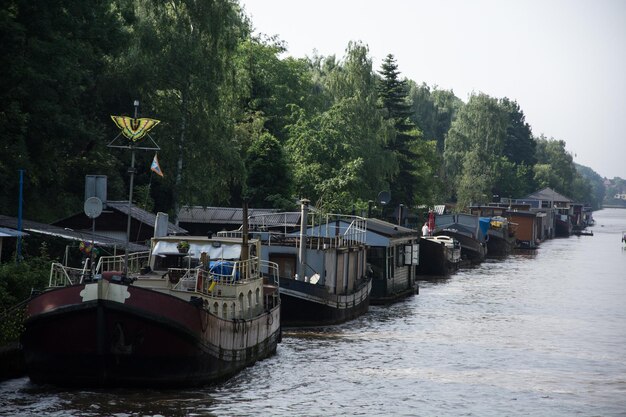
47 229
389 229
548 194
143 216
222 215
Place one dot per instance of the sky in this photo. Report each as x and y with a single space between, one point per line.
563 61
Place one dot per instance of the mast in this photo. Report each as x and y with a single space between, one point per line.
130 193
134 130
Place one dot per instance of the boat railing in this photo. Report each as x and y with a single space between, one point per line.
272 275
136 261
224 273
61 276
323 230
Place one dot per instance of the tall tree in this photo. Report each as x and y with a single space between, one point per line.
338 154
479 129
185 51
54 58
393 96
265 164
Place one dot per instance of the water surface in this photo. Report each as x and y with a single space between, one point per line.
537 334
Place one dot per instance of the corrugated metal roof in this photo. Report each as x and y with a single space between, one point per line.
222 215
143 216
47 229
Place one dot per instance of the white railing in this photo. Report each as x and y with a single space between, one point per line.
332 230
136 261
201 280
61 276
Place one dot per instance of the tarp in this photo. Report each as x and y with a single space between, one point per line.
484 224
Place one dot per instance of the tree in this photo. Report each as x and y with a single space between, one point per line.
393 97
555 166
269 85
184 53
55 56
480 129
337 153
265 164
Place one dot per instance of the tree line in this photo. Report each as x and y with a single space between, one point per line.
240 119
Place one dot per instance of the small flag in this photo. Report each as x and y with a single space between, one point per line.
155 166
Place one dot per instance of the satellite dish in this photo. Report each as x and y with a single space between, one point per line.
384 197
93 207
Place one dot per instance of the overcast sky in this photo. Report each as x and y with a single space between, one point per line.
563 61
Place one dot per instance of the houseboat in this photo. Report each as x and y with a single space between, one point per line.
190 311
324 279
393 257
439 255
500 231
465 228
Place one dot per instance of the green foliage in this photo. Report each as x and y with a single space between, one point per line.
269 183
479 129
597 192
239 118
54 56
432 111
17 281
393 97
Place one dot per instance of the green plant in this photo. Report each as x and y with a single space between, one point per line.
183 245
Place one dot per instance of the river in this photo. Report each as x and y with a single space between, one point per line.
537 334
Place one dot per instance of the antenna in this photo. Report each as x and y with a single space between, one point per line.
384 197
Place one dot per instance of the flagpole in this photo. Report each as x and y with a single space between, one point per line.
130 195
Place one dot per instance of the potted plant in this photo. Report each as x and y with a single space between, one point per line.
183 246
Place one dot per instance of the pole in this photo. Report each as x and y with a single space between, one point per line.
130 194
91 253
304 214
18 257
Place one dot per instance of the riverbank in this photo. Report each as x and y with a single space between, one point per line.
11 362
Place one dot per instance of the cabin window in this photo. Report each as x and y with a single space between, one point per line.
390 258
257 296
234 310
216 309
250 299
399 255
225 311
